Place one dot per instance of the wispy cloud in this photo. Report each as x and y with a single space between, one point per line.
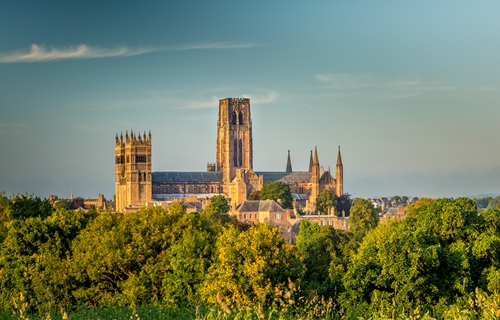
391 88
40 53
215 45
162 100
11 129
262 96
486 89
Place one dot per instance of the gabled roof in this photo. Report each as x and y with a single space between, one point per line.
260 206
186 177
286 176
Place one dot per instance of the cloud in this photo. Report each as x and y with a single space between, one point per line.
215 45
390 88
39 53
11 129
175 100
265 96
486 89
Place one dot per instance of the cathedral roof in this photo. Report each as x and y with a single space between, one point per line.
186 177
260 206
286 176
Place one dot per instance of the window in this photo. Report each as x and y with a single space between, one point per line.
245 216
233 118
288 228
278 216
321 223
240 118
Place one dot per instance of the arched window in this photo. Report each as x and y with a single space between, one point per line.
240 154
234 118
240 118
235 153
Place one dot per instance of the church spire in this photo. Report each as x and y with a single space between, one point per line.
339 158
311 162
289 163
316 160
339 176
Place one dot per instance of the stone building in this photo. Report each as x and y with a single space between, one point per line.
232 174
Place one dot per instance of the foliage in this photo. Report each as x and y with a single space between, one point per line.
319 249
251 267
218 210
436 258
325 200
344 203
254 195
442 261
275 190
362 219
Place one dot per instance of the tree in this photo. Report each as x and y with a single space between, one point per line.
217 209
275 190
325 200
396 198
434 258
344 203
255 195
404 200
250 267
318 248
362 219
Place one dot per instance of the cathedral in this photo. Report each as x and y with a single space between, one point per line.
232 174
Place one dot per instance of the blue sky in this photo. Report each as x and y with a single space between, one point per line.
410 90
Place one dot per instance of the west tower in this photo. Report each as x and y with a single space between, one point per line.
133 170
234 137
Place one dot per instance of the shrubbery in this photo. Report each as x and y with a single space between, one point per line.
443 260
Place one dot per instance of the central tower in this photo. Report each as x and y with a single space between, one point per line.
234 137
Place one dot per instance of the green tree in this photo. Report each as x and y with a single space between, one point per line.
433 259
404 200
396 198
250 267
319 250
362 219
275 190
344 203
325 200
218 210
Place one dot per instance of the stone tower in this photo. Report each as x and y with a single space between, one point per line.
234 137
133 170
339 176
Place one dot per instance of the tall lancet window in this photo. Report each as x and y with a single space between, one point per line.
240 118
240 154
233 120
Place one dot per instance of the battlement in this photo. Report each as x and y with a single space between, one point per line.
211 167
239 99
133 139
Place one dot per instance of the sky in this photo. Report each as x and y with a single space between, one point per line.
410 90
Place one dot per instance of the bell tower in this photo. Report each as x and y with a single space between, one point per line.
234 137
133 170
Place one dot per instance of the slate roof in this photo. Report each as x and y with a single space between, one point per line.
186 177
286 176
300 196
259 206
